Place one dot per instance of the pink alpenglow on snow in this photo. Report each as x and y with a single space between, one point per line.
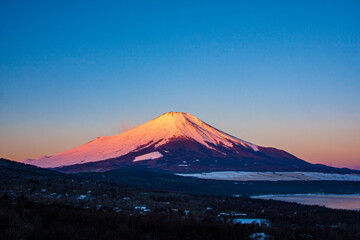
177 142
159 130
148 156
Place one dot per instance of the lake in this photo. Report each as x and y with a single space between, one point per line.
336 201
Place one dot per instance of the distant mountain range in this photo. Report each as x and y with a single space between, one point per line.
177 142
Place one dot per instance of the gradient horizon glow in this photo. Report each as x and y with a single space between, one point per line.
284 74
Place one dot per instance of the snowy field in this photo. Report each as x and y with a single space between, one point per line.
272 176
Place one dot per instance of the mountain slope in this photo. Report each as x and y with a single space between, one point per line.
161 130
176 142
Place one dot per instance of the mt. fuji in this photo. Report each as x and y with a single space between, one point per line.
176 142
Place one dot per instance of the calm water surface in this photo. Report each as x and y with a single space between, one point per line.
351 201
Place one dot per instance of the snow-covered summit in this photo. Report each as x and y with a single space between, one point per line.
179 124
161 130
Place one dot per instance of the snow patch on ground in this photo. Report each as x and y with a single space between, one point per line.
252 221
272 176
259 236
148 156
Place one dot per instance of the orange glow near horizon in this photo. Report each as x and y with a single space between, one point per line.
316 148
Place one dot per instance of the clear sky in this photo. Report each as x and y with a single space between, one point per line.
276 73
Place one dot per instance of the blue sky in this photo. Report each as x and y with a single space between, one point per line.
280 73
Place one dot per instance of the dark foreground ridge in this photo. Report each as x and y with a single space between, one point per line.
150 179
42 204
